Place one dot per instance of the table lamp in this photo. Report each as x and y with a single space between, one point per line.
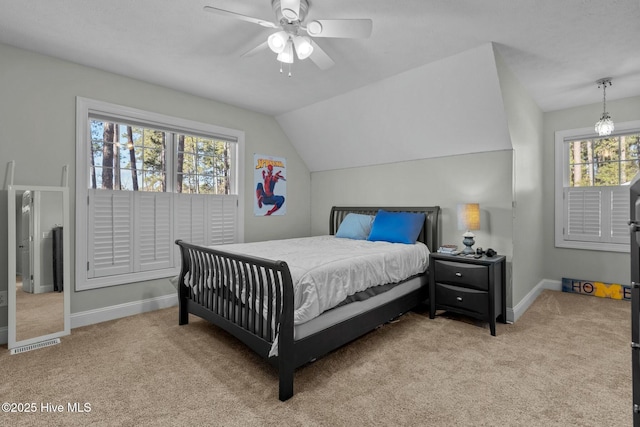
468 219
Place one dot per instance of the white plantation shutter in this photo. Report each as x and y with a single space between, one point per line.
222 219
620 209
206 219
133 232
584 220
596 214
190 213
110 233
154 231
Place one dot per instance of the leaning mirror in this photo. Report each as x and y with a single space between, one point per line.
38 265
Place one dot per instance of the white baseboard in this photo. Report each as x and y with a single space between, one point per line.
514 313
99 315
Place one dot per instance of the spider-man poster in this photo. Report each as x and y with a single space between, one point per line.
270 178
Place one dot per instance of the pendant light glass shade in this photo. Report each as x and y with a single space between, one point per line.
605 126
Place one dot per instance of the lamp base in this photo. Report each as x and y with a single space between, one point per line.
468 242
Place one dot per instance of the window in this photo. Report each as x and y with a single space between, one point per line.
145 180
127 157
592 193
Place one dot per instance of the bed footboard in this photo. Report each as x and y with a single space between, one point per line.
252 298
249 297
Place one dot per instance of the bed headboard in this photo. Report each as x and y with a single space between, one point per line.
429 235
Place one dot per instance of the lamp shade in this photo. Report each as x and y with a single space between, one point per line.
303 45
286 55
469 216
278 41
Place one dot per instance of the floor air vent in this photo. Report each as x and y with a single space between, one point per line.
35 346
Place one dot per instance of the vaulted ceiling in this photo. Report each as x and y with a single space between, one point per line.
557 49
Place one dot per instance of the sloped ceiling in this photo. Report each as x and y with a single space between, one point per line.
449 107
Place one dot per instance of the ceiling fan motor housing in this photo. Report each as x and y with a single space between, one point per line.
287 16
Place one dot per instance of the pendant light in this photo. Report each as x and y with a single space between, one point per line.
604 126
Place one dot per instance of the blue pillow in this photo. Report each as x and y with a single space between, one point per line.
355 226
396 227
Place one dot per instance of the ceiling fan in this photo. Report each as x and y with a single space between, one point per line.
290 20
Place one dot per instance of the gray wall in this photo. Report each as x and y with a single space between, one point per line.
525 122
485 178
483 110
37 130
611 267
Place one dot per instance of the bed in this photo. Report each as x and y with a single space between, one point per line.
252 297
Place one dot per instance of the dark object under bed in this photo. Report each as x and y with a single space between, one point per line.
220 276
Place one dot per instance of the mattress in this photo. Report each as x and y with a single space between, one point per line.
353 309
325 270
347 311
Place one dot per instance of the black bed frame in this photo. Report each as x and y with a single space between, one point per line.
218 277
634 229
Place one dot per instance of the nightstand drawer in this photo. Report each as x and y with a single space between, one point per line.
467 275
470 300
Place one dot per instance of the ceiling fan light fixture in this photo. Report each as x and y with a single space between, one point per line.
604 126
278 41
303 46
286 55
292 31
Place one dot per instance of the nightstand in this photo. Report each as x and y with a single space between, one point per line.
469 286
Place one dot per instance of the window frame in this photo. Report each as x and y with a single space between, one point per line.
562 179
86 108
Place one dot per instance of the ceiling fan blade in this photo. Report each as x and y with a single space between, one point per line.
256 49
340 28
320 57
235 15
290 9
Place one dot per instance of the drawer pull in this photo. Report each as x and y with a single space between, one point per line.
459 299
458 274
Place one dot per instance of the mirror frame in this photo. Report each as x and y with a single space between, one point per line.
66 264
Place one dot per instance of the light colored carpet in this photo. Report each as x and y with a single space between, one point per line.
566 362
